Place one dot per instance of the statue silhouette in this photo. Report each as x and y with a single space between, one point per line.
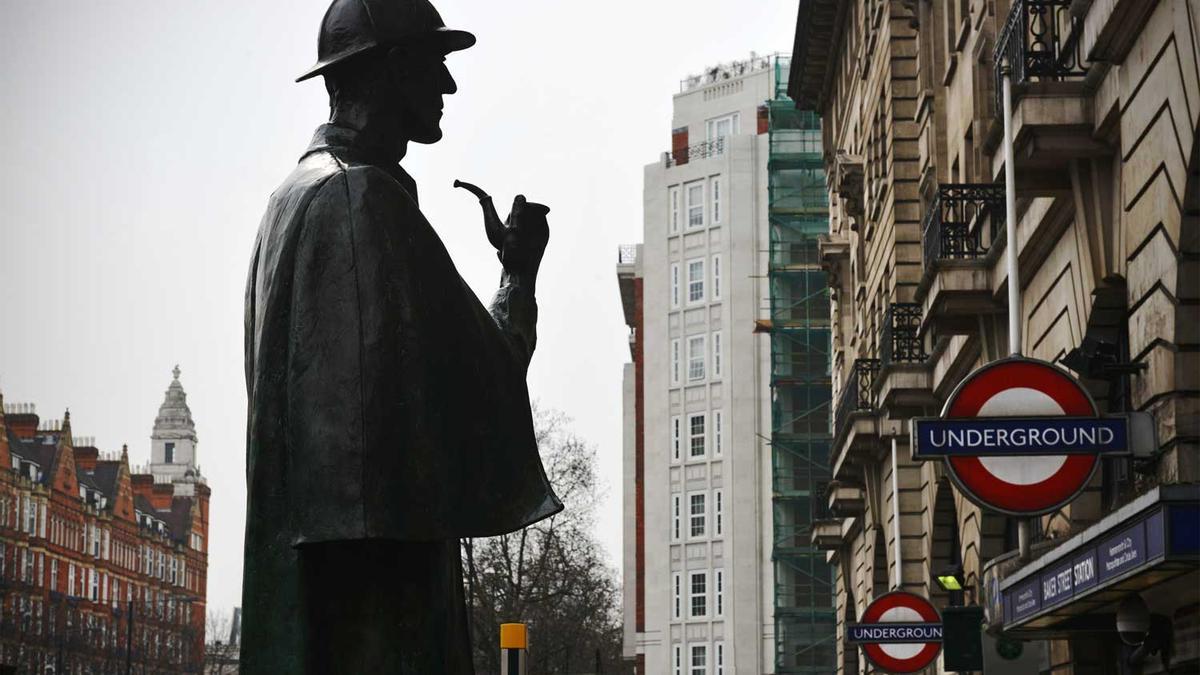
388 412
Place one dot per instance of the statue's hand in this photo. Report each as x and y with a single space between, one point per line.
525 237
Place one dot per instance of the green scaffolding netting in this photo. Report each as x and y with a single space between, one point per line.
805 624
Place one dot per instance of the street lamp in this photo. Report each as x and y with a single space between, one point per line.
951 580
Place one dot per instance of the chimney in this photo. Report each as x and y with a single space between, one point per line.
22 420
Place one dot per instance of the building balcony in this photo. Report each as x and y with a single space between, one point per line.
856 426
1042 45
961 227
1041 42
847 499
830 534
904 374
704 150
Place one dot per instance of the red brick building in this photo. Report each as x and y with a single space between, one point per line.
91 548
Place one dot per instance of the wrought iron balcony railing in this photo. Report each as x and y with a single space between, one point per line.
962 221
698 151
1040 42
858 395
901 342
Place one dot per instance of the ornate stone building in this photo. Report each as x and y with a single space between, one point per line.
102 567
1105 120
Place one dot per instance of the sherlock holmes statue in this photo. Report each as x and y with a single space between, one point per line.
388 412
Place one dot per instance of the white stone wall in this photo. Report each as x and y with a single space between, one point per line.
742 472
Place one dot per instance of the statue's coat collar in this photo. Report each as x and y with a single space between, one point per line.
351 144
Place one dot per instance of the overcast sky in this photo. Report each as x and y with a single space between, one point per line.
142 138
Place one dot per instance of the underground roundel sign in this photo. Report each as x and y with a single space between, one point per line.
1020 436
899 632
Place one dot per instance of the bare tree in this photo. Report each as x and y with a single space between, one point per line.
552 576
220 652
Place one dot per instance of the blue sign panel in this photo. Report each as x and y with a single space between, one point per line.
1122 552
1027 599
1185 530
1057 584
1083 571
1156 536
894 633
983 436
1140 545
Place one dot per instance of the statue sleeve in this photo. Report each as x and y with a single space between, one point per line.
514 310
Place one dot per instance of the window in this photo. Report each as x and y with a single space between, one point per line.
674 285
716 354
720 127
93 585
719 657
718 433
677 660
718 512
699 660
70 578
31 512
674 222
716 200
676 516
695 204
675 358
695 358
716 271
54 574
696 436
698 595
719 591
677 591
676 437
695 281
697 510
169 453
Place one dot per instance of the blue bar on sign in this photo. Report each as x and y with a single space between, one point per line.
1000 436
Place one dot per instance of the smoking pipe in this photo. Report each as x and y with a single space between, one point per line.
491 220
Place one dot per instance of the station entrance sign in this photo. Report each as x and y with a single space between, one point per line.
899 632
1021 436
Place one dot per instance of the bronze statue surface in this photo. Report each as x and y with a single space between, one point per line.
388 411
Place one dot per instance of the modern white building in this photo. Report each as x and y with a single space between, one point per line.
699 582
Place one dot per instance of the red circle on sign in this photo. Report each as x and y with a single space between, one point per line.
876 652
989 489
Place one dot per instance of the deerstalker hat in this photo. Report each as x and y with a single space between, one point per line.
352 27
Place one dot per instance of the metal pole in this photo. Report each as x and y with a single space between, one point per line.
1024 534
1010 227
1024 529
899 578
513 643
129 641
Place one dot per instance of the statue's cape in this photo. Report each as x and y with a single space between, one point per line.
384 400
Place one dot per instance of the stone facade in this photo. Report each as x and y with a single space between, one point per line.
1105 121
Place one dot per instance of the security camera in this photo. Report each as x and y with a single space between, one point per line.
1133 620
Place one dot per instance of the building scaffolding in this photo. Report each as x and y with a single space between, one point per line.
799 327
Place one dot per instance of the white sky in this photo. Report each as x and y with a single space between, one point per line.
144 136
